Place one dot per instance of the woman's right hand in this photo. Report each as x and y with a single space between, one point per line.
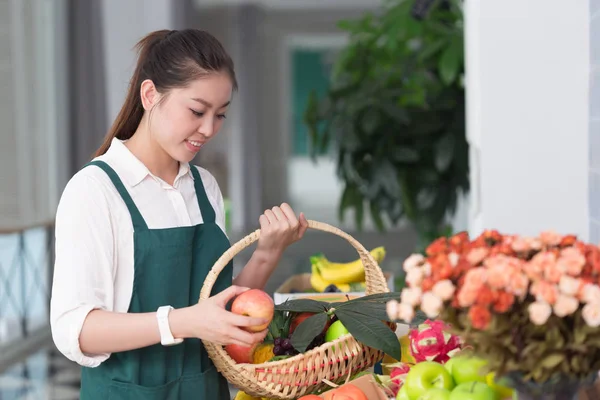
209 320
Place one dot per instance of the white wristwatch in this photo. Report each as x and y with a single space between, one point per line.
166 337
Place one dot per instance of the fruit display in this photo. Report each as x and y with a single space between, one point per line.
327 276
436 365
300 325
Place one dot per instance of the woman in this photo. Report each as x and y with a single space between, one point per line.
138 229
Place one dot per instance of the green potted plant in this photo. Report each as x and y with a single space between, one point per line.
394 115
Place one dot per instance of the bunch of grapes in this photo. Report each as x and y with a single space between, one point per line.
283 347
316 342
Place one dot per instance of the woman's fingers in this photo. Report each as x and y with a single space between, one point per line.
245 321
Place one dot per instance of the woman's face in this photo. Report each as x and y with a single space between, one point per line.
187 118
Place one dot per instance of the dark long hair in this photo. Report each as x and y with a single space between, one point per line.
171 59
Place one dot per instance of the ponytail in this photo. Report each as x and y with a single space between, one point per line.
131 113
170 59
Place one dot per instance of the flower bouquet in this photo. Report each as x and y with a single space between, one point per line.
530 306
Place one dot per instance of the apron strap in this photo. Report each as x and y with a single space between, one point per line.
206 209
136 216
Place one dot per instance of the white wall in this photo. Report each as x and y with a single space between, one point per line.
527 86
124 24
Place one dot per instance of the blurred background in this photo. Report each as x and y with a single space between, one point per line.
397 121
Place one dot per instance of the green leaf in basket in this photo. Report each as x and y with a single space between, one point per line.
370 308
378 297
370 331
308 330
303 305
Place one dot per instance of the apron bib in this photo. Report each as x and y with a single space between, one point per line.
170 268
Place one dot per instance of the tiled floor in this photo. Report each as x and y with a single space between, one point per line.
46 375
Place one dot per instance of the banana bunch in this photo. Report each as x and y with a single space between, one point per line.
347 277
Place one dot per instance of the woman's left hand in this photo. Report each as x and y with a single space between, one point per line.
279 228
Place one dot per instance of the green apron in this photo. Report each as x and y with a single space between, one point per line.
170 267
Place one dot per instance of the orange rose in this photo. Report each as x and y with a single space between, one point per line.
477 254
504 302
480 317
486 296
438 246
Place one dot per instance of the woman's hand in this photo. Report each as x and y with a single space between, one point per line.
209 320
279 228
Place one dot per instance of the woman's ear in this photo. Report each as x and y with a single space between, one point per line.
148 94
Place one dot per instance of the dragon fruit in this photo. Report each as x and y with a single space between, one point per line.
431 342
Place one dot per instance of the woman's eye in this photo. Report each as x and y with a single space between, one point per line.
222 116
197 113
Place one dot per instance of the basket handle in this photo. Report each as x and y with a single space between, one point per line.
374 278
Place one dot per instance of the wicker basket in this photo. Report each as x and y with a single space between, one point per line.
306 372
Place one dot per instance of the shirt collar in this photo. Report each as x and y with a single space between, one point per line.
130 169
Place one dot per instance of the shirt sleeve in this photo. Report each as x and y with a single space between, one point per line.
213 191
84 264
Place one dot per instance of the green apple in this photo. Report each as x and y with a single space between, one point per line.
402 395
336 330
426 375
473 391
435 394
468 368
448 365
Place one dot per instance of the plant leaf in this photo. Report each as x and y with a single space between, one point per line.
553 360
450 61
371 332
308 330
303 305
444 152
368 308
377 297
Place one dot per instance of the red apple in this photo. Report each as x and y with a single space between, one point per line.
254 303
241 354
310 397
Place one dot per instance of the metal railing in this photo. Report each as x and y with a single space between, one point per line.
26 270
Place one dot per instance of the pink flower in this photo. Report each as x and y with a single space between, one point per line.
522 244
498 273
518 285
414 260
477 255
411 296
591 314
545 291
569 286
590 293
431 305
536 267
405 312
391 307
565 305
414 277
467 296
550 238
539 312
444 289
571 260
476 277
453 258
553 272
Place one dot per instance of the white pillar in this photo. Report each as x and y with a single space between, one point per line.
527 74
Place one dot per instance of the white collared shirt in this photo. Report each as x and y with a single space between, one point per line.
94 238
